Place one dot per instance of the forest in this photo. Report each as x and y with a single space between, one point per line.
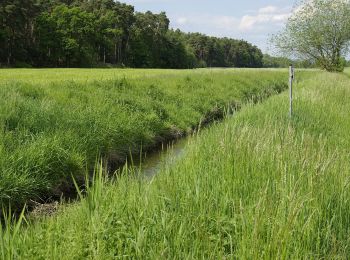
102 33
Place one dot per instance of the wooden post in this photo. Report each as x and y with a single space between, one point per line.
291 78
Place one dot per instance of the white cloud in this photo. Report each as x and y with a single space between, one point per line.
265 17
262 19
254 26
224 22
181 20
268 9
207 22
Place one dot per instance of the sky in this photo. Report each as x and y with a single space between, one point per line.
252 20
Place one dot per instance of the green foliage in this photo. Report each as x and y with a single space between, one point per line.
79 33
56 126
75 29
223 52
318 30
16 28
283 62
276 62
257 186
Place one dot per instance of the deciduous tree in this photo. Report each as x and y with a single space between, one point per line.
318 30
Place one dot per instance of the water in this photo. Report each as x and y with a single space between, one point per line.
170 153
149 167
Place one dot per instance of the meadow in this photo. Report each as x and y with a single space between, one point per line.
55 123
258 185
347 71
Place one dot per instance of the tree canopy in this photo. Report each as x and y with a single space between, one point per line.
318 30
90 33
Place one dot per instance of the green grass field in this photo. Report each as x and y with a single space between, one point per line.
55 123
347 71
44 76
84 75
256 186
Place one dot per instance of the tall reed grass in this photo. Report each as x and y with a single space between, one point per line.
56 128
257 186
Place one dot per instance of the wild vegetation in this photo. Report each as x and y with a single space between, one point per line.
82 33
283 62
258 185
318 30
55 128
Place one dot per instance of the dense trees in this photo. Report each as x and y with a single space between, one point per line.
87 33
224 52
16 28
276 62
283 62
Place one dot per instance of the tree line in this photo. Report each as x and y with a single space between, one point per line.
284 62
91 33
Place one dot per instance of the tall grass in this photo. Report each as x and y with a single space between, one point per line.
54 123
257 186
347 71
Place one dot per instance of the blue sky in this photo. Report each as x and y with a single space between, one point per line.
251 20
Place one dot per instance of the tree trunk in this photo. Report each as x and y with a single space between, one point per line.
115 53
104 55
9 51
119 53
9 55
9 58
126 49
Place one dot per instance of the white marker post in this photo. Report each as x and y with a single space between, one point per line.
291 78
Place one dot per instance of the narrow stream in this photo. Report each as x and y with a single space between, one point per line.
152 162
147 167
150 165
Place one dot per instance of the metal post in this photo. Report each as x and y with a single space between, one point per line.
291 78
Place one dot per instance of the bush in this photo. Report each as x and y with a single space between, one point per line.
21 64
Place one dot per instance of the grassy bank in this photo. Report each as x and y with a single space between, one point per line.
257 186
55 123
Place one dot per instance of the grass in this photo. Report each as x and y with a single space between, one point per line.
55 123
44 76
257 186
347 71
